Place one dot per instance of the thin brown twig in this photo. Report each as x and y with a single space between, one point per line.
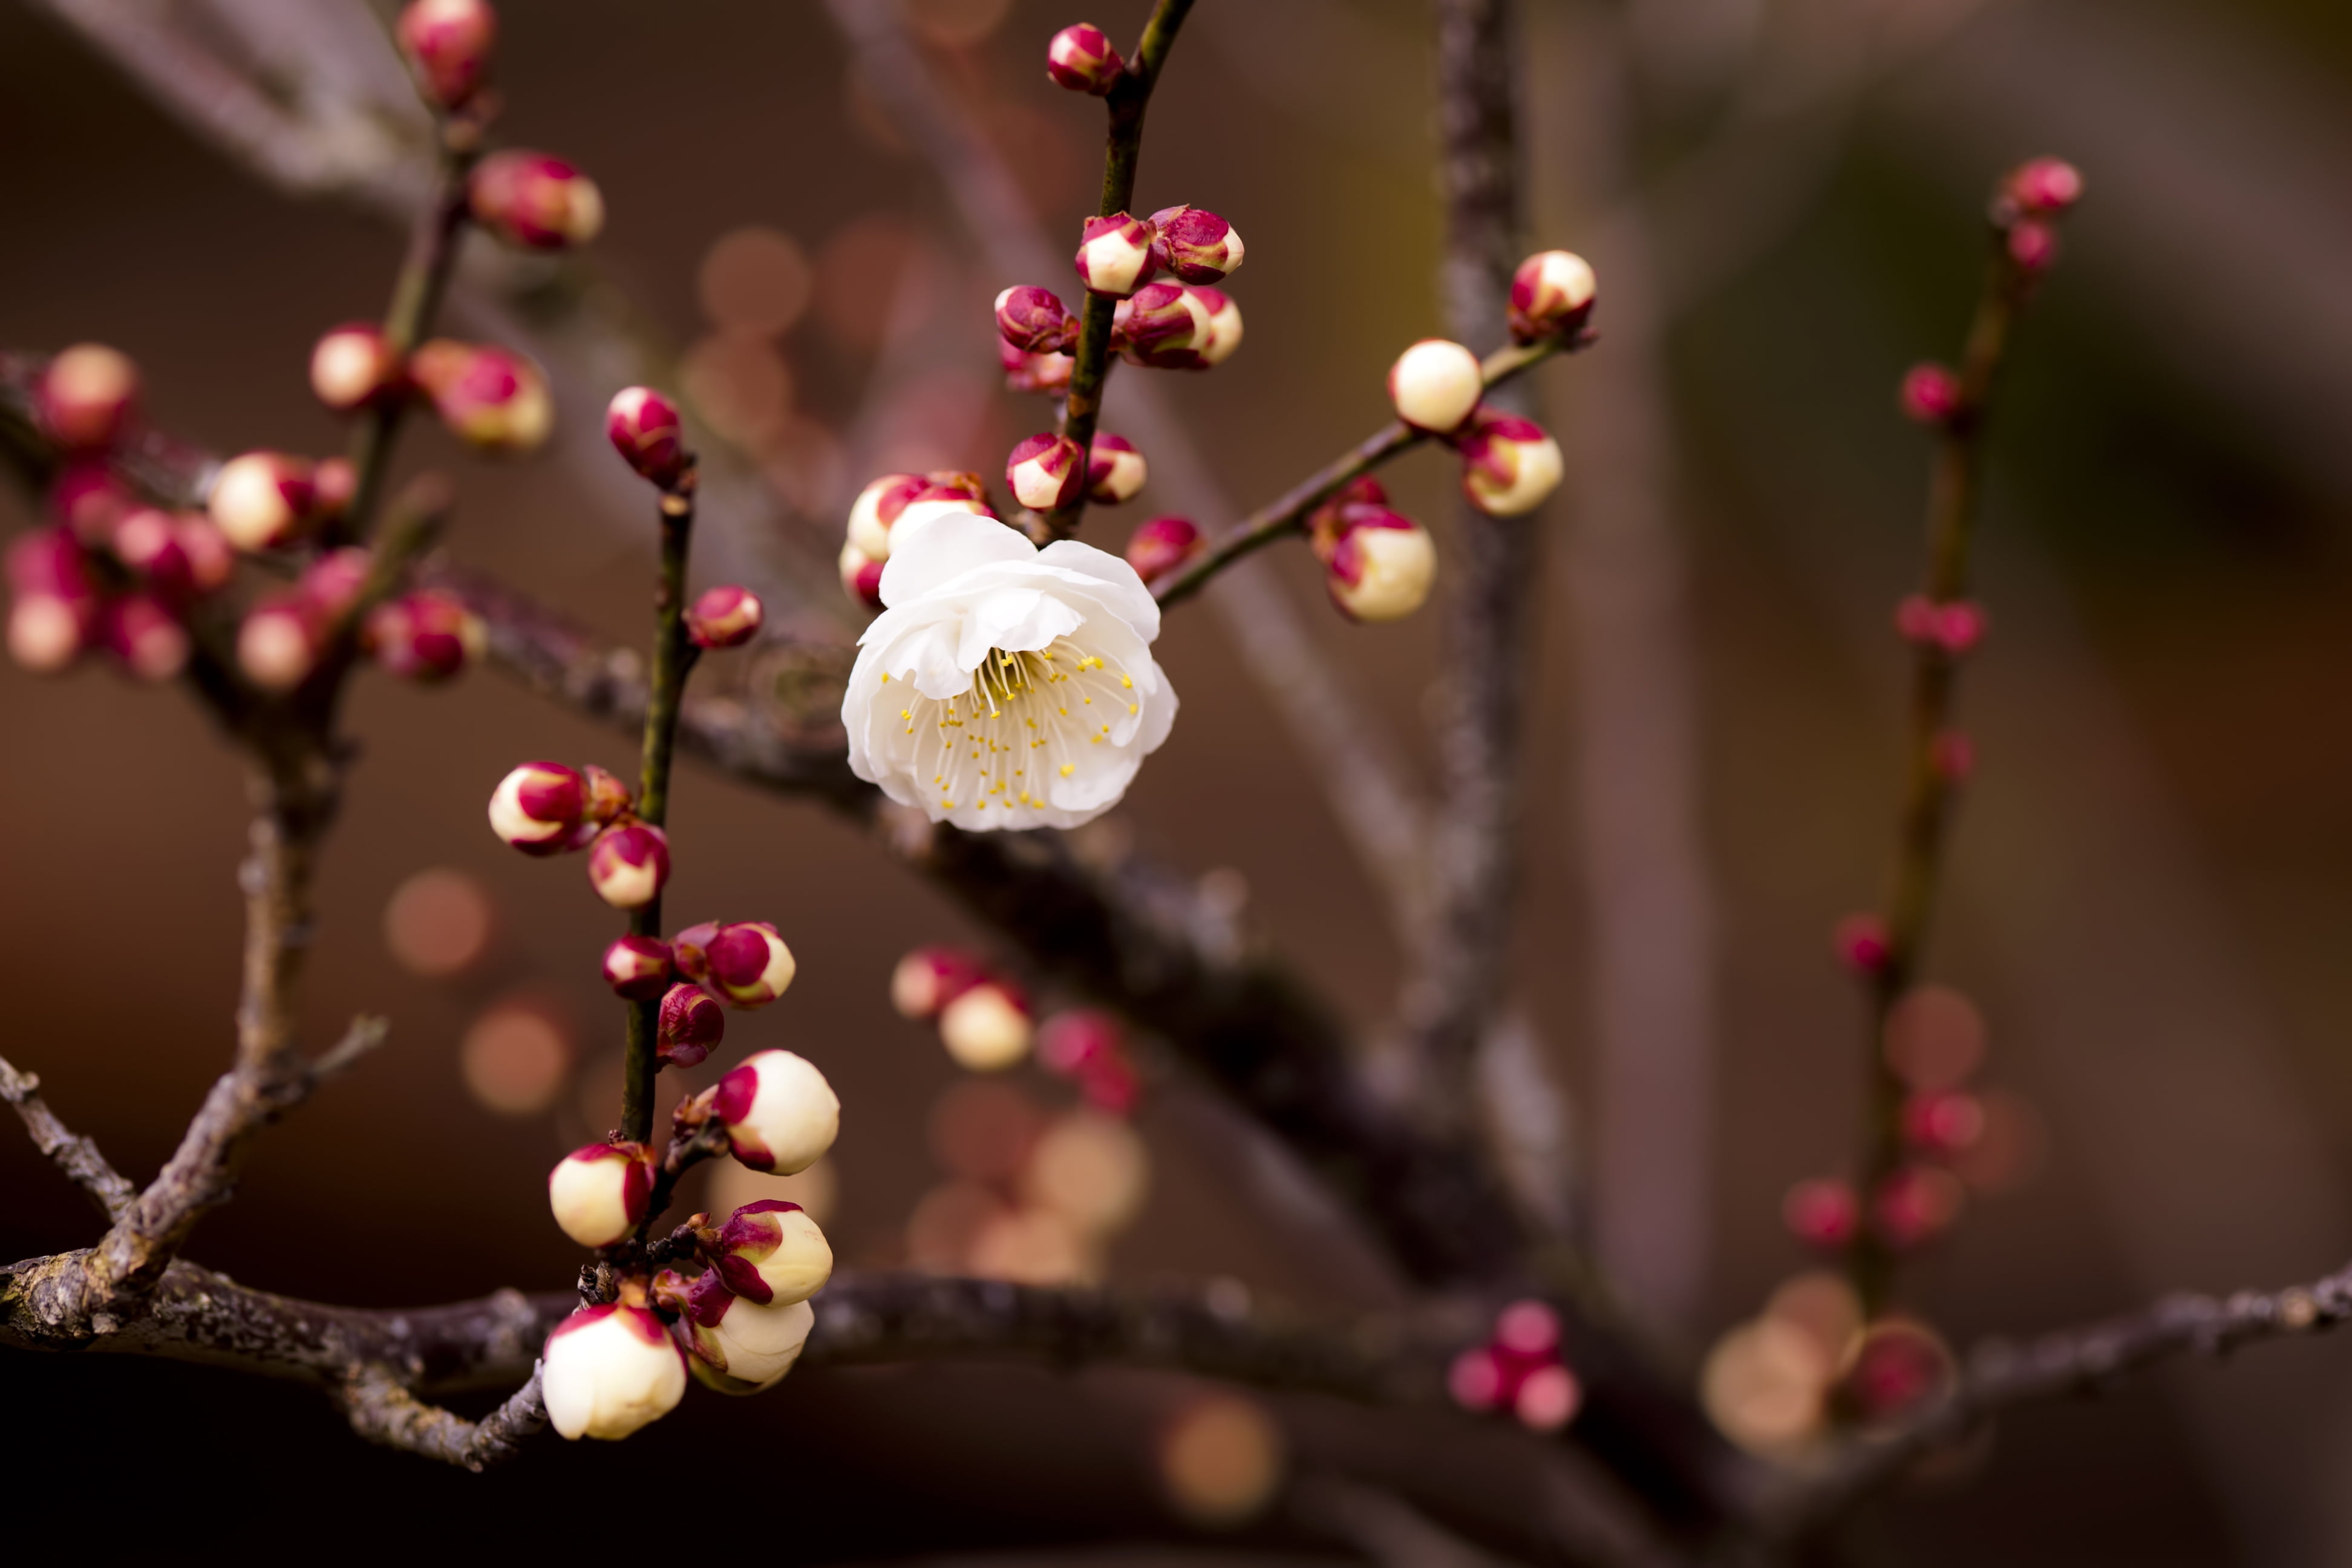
75 1157
381 1410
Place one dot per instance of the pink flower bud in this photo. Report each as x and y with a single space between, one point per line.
48 563
739 1345
1033 372
773 1253
494 401
87 498
1114 255
1478 1378
929 978
644 428
1954 755
535 201
353 366
146 636
598 1193
335 483
1045 471
449 43
2033 245
2044 187
55 614
607 798
1435 384
1528 1328
724 617
1931 394
427 635
1953 627
1551 295
1111 1085
1862 943
1823 1213
1382 566
330 584
1943 1122
539 808
1509 465
211 562
264 499
86 398
986 1029
148 542
609 1370
1080 57
1069 1043
778 1112
1197 246
1035 321
638 967
1548 1398
627 864
691 949
1177 326
1915 1205
279 641
877 510
745 963
1115 470
690 1024
861 576
46 634
1896 1367
1162 545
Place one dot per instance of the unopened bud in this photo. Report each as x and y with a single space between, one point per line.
1896 1369
929 978
1115 470
1931 394
492 400
1114 255
352 366
778 1112
1068 1042
638 967
86 398
330 584
1177 326
1944 1121
534 201
877 510
210 559
1551 295
739 1345
2033 245
263 499
1033 372
1435 385
54 611
689 1025
90 500
2044 187
745 963
1035 320
1162 545
627 864
772 1252
1080 57
427 636
861 576
1915 1205
1045 471
1382 568
607 1371
606 799
448 44
1197 246
1548 1399
724 617
539 808
336 483
1509 465
1823 1213
146 636
599 1192
1952 627
148 542
1111 1085
986 1029
644 428
1862 944
278 642
46 634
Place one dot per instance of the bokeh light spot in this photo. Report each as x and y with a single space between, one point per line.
1221 1459
514 1057
438 922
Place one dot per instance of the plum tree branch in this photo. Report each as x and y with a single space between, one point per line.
77 1157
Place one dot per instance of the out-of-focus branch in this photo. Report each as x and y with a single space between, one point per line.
74 1156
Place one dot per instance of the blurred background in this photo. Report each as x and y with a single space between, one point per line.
2153 882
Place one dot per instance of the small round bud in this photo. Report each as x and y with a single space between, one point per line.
1197 246
740 1346
1435 384
539 808
1930 395
1915 1205
146 636
352 366
745 963
861 576
1551 295
1823 1213
87 498
689 1025
638 967
877 510
211 562
1952 627
1115 470
1114 255
1080 57
46 634
1045 471
1035 320
1162 545
778 1112
534 201
929 978
1862 944
494 401
986 1029
772 1252
2033 245
1177 326
1509 465
1033 372
427 636
609 1370
335 483
86 398
47 564
1548 1399
1382 566
148 542
263 499
278 642
1069 1043
727 616
331 584
627 864
607 798
2044 187
644 428
1944 1123
449 43
598 1193
1896 1368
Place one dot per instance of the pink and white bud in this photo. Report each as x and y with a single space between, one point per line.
1862 944
1509 465
494 401
148 542
2044 187
86 399
1944 1121
877 510
89 500
609 1370
448 45
46 634
147 637
55 614
627 864
772 1252
353 366
745 963
1821 1212
279 642
1033 372
598 1193
263 499
638 967
1930 395
1551 295
1548 1399
929 978
1069 1043
539 808
1177 326
210 559
336 484
330 584
1162 545
739 1345
2033 245
427 635
1080 57
1045 471
1196 245
778 1112
645 429
726 616
535 201
987 1028
1435 384
1035 320
1115 470
691 949
1382 566
689 1027
1114 255
861 576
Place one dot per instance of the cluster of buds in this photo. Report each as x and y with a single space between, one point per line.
983 1018
896 499
1518 1368
1378 564
1509 465
547 808
1162 546
1090 1048
2026 208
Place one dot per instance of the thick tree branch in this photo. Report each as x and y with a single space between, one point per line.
75 1157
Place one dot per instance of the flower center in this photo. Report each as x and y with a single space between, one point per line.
1028 718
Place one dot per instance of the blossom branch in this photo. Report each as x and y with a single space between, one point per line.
77 1157
382 1411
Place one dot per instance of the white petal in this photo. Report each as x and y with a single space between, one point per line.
926 552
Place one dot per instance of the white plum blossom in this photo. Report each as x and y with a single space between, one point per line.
1004 686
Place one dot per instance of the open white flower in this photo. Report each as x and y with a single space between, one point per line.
1004 686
